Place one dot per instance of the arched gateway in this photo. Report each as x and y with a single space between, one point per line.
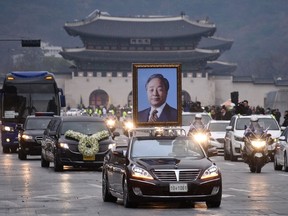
98 98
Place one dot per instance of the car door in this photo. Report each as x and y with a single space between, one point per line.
50 138
229 134
282 146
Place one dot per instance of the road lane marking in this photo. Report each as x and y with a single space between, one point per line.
230 164
227 195
95 185
240 190
283 174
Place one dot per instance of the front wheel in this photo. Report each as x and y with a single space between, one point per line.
276 165
6 150
126 196
44 163
258 169
58 166
252 169
285 163
213 204
22 155
106 195
232 157
226 154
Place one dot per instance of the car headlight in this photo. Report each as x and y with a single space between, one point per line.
8 128
27 137
200 137
64 145
258 143
275 140
110 122
112 146
129 125
211 172
237 138
138 172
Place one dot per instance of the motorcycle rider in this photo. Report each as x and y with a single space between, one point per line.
199 131
197 124
254 127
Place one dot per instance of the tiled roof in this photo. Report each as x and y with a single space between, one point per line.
140 27
140 56
219 68
215 43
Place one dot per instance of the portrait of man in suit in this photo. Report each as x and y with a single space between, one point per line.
157 94
157 89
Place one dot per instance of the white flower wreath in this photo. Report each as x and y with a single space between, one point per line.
88 145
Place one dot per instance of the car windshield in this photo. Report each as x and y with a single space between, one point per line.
36 123
269 123
187 119
85 127
218 127
166 147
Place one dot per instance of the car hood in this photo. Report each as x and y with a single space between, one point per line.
217 135
274 133
34 132
174 163
105 141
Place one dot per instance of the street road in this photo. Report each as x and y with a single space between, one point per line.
28 189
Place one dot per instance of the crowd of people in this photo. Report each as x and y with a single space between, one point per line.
243 108
216 112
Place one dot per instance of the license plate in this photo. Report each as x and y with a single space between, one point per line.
89 158
178 187
258 155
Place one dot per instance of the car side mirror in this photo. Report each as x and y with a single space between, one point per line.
282 138
119 152
115 134
212 152
229 128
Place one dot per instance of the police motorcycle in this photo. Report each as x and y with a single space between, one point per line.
255 149
111 122
199 132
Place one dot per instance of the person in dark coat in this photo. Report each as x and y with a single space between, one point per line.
225 114
285 122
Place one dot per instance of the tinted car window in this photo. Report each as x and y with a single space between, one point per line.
86 127
53 124
184 147
264 122
36 124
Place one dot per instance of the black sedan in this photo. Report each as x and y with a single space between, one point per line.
160 167
31 134
78 141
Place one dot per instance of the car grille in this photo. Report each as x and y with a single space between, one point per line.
177 175
221 140
74 148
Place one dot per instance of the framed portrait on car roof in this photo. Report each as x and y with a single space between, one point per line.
157 95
